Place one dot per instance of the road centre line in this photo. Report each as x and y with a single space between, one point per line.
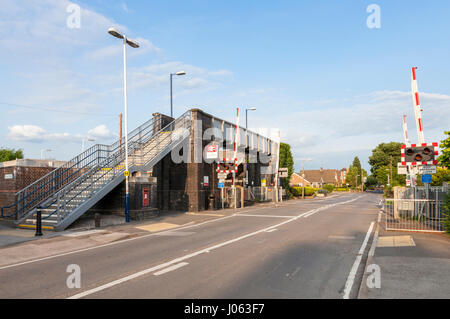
171 268
275 216
185 257
352 274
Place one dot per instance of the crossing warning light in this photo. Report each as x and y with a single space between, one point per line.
227 165
422 154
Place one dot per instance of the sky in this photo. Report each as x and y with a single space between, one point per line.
315 70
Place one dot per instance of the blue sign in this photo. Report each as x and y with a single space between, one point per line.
427 178
221 185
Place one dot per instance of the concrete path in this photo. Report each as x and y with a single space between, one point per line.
411 265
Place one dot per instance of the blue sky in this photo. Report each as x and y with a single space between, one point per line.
313 69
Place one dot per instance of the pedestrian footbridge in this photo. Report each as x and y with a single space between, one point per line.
69 191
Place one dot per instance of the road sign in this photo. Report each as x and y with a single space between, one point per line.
427 169
212 151
427 178
283 172
222 175
205 180
263 183
401 169
126 173
221 185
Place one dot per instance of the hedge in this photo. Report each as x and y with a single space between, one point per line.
329 188
297 191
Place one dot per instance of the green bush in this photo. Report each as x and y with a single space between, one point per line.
446 207
328 187
297 191
340 189
388 192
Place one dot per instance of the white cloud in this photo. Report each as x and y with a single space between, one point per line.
101 132
30 133
37 134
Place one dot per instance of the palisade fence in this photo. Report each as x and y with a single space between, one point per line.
416 209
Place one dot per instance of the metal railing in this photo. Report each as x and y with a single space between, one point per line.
422 215
87 185
91 168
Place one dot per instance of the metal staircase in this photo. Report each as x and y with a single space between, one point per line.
69 191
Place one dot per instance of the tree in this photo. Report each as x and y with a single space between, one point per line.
381 156
444 159
353 177
357 168
9 154
371 181
286 160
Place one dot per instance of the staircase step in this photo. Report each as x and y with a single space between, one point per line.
44 221
26 226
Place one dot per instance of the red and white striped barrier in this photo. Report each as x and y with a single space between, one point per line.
405 130
417 109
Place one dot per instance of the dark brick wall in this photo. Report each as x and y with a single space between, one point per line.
114 201
22 177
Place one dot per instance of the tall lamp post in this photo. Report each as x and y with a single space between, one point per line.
246 134
83 143
171 96
132 44
44 150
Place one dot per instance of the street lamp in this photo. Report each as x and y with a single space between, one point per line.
83 142
132 44
171 98
44 150
246 134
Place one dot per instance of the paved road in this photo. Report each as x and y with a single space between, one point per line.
295 250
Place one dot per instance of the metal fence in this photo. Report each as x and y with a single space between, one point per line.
422 215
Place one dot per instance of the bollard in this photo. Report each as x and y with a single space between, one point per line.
38 222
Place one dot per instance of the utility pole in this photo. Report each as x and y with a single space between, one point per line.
390 169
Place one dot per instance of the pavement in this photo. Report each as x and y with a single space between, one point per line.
412 265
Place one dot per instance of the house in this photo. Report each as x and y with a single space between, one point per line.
318 177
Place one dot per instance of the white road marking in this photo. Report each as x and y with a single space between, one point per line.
272 230
188 256
276 216
352 274
375 237
171 268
